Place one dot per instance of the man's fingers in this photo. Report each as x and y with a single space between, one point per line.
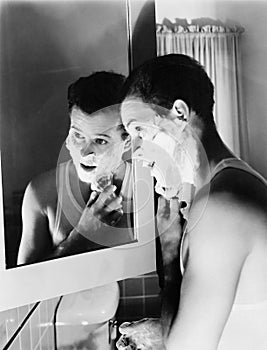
168 208
135 326
124 343
125 327
115 217
175 205
93 198
113 204
163 206
108 193
143 334
128 328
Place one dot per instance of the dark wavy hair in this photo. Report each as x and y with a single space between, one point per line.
164 79
97 91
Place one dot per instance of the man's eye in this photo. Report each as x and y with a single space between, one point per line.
78 135
101 141
138 128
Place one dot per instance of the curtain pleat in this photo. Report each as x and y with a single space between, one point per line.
220 55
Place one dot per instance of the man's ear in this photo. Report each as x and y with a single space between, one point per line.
181 110
67 143
127 143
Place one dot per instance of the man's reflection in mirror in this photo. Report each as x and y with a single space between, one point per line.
83 204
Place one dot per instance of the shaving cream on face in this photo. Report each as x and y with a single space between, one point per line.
170 149
169 145
101 182
108 164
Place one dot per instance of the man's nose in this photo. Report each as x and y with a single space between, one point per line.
137 143
87 149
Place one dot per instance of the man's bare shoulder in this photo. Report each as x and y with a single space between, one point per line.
240 186
42 189
235 203
44 180
236 189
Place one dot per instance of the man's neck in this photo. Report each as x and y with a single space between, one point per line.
215 152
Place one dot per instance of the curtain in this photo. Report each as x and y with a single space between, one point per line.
216 47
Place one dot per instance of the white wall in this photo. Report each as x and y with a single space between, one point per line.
172 9
252 15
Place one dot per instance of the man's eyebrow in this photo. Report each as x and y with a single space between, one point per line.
105 135
75 127
80 130
130 121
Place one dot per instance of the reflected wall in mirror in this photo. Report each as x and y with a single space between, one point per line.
46 47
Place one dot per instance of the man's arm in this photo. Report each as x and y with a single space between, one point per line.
36 240
170 227
99 217
36 244
219 244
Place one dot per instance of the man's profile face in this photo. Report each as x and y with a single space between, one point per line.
95 143
163 145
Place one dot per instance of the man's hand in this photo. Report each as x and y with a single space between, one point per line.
145 334
170 228
102 209
94 227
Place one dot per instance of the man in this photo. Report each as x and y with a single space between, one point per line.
223 253
79 206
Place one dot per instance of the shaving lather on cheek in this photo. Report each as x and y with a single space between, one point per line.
101 182
108 163
168 150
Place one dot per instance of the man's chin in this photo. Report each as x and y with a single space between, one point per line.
85 177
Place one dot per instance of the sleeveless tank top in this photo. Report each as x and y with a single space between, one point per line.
246 327
70 206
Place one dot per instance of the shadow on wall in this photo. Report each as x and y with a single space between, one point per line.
45 47
144 32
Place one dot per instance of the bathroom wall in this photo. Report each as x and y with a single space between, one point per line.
33 324
252 16
139 298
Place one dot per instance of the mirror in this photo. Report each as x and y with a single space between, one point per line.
46 46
